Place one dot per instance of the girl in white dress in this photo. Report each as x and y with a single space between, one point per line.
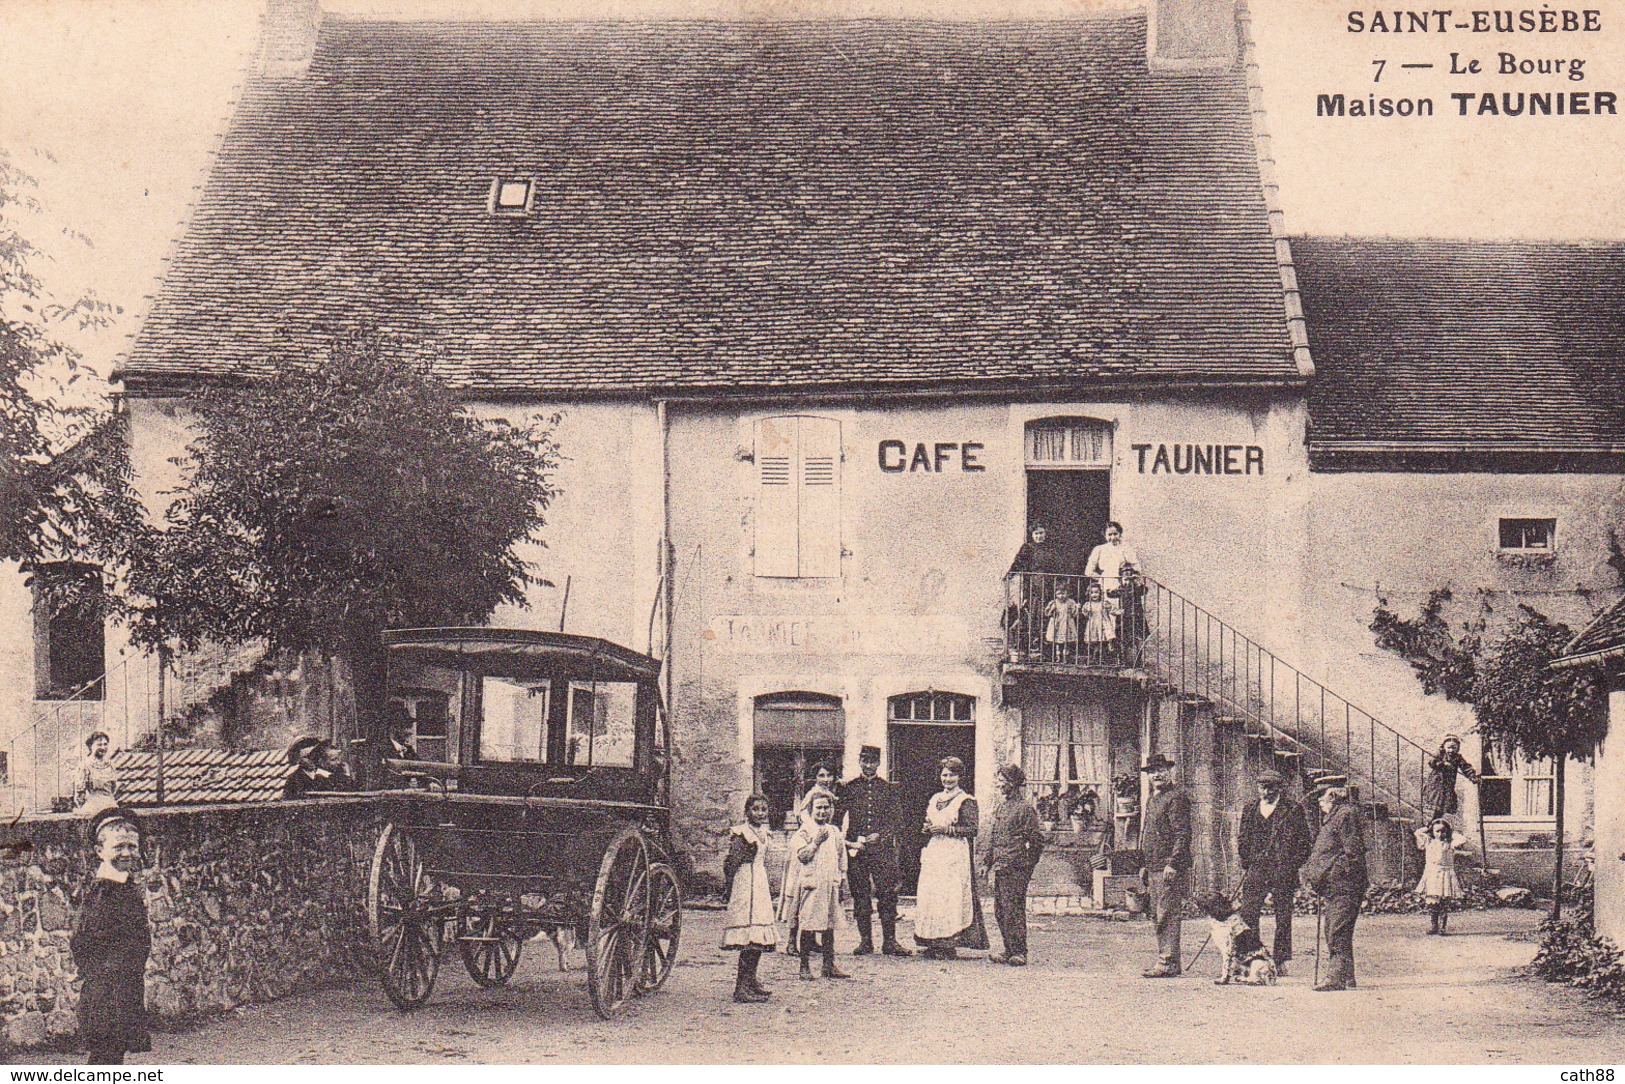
1439 885
751 929
948 915
811 900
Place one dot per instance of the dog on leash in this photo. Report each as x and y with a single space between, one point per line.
1244 959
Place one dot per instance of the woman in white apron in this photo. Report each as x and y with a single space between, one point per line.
948 914
751 929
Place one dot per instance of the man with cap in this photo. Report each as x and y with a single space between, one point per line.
873 808
1336 870
1272 843
111 942
310 774
1010 850
1166 839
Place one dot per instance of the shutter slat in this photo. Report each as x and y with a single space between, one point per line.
820 513
776 501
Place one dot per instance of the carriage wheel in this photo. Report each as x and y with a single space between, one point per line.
406 933
618 924
490 952
665 927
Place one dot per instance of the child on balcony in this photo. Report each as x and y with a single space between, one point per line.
1063 615
1099 624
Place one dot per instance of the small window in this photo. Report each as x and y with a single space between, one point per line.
1529 535
69 633
511 196
602 727
514 723
931 708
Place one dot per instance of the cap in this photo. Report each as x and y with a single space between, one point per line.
1328 782
297 750
869 752
1270 775
1156 762
113 814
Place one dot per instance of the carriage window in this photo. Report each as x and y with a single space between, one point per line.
514 727
602 724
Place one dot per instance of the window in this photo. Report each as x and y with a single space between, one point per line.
1528 791
931 707
5 769
798 497
1529 535
601 727
1069 442
69 643
514 723
511 196
1064 749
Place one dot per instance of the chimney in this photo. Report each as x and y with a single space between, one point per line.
1191 34
290 36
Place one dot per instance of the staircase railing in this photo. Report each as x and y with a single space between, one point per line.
1167 637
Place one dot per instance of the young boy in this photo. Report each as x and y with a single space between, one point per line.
110 944
1009 852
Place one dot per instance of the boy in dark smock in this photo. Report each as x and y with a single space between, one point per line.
110 945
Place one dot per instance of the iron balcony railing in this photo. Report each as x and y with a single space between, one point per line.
1079 624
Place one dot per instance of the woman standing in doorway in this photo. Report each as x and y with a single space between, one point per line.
948 915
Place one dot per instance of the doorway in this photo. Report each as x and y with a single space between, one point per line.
922 729
794 732
1075 506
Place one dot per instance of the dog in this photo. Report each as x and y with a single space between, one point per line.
1244 959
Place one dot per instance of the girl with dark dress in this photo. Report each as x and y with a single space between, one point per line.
750 929
110 945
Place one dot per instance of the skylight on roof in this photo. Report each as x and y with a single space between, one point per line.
511 195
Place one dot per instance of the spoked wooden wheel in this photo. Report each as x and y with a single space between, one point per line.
403 920
489 951
618 924
665 928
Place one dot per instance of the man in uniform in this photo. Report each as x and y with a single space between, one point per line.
1336 870
1167 843
873 809
1272 844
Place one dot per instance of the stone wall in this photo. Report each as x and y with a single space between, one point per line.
247 903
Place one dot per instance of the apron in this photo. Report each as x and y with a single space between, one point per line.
946 898
750 900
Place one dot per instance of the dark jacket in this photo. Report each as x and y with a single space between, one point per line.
1046 559
1167 835
741 852
1277 845
872 807
1337 864
1439 791
110 945
1014 839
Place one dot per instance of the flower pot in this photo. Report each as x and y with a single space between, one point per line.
1078 825
1125 807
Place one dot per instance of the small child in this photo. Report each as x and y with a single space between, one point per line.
111 942
1099 621
1439 886
1061 630
751 929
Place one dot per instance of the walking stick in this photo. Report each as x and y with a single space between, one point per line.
1199 950
1317 942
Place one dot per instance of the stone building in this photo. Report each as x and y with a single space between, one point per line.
835 312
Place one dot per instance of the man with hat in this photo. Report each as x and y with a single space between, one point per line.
1272 843
111 942
310 774
1166 839
1336 870
873 810
1009 852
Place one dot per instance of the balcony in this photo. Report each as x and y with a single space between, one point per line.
1083 626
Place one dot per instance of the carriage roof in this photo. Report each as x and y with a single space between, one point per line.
521 652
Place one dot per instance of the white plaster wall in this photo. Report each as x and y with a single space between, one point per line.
1610 824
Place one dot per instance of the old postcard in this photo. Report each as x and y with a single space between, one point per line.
814 531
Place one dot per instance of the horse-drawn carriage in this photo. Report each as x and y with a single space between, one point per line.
545 811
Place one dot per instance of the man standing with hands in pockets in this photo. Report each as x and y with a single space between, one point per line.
1167 842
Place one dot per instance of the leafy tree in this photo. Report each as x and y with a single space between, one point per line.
1527 709
342 494
64 467
1524 708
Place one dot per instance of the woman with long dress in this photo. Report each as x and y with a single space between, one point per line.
948 914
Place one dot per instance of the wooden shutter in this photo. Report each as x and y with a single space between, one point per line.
798 497
820 518
777 506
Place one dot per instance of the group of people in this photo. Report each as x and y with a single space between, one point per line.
1068 614
852 840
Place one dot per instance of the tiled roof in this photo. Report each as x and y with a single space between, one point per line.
728 207
202 775
1494 345
1604 637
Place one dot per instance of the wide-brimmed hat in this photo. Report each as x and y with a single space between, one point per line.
1328 782
113 814
1156 762
1013 775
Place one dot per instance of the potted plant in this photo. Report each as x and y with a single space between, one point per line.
1126 794
1049 806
